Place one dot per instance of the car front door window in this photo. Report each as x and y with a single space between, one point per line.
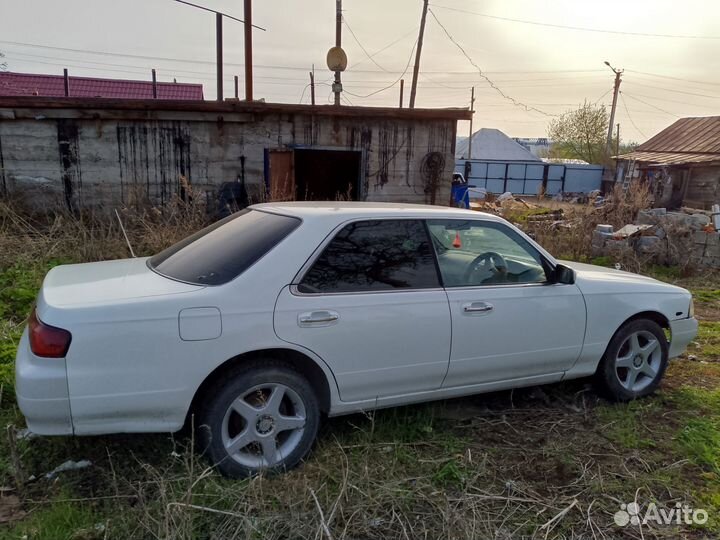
371 256
484 253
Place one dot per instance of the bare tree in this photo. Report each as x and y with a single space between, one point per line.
580 134
3 65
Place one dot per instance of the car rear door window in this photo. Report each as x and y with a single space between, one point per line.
224 250
374 255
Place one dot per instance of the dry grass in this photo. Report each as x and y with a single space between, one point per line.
543 463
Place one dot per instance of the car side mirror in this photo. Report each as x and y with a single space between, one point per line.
563 274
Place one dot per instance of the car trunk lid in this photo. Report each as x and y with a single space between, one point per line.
106 282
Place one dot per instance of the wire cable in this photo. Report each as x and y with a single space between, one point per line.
407 66
566 27
673 78
630 117
482 74
649 104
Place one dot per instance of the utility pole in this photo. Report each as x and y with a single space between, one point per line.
248 51
312 86
237 87
472 110
416 68
154 84
219 46
402 88
337 87
66 82
616 90
617 150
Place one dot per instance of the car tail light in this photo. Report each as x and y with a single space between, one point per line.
47 341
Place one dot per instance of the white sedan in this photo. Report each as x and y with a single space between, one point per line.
255 326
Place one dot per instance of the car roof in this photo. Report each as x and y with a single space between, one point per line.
354 209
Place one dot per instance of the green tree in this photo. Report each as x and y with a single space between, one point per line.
580 134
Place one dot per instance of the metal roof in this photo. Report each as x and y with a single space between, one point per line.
696 135
30 84
669 158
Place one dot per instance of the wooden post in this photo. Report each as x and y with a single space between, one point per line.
416 68
312 88
66 79
154 84
219 47
338 43
402 87
237 87
472 110
248 51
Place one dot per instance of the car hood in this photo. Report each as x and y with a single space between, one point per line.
106 282
591 278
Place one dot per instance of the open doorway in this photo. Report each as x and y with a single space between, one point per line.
327 175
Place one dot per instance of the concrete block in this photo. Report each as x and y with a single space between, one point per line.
698 221
608 229
647 244
700 237
713 239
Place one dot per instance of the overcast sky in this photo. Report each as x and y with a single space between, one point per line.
550 68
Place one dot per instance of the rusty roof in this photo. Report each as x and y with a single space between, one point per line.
695 135
32 84
669 158
95 106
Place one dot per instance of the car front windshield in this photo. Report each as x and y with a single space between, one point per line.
221 252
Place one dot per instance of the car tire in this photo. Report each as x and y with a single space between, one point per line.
635 361
263 417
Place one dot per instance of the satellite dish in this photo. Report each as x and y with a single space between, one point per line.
336 59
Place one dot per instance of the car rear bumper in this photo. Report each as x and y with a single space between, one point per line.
42 391
682 332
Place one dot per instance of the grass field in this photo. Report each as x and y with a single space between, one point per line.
549 462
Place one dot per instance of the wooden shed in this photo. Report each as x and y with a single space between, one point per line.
682 163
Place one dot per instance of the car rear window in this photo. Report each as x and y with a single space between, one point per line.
224 250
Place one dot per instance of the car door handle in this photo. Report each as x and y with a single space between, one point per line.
318 318
477 307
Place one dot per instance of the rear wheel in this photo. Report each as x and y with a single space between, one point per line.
634 362
263 418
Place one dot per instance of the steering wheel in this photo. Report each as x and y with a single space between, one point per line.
497 266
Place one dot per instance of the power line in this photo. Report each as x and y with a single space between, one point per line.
630 117
369 56
566 27
217 12
673 78
601 97
482 74
650 104
407 66
280 67
673 90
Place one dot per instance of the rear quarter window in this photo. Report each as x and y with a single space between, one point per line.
224 250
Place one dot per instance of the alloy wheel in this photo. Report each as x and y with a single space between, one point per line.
638 361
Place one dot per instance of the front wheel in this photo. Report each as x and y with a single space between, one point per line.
634 362
263 418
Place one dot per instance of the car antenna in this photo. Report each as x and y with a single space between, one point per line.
125 235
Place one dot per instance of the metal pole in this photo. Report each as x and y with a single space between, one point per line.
219 45
472 110
248 51
237 87
312 88
66 79
416 68
402 87
338 43
616 91
154 84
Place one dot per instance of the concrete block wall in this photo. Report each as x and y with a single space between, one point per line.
706 249
106 158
